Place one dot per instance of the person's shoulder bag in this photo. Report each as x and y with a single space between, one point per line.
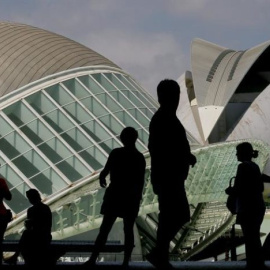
232 198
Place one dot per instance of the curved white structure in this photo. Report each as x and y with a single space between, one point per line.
224 82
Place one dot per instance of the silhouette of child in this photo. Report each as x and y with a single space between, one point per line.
126 167
34 244
4 194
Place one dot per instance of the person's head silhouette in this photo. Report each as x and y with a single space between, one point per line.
129 136
168 92
33 196
245 152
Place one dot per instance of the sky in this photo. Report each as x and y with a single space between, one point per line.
149 39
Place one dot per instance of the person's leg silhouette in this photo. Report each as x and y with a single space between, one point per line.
129 238
101 239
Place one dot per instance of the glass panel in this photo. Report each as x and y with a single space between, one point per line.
111 124
147 112
19 114
77 113
126 119
130 96
133 98
133 84
58 121
93 106
91 84
37 132
40 103
110 144
122 99
48 182
77 89
103 81
30 163
109 102
115 81
55 150
139 117
94 157
93 128
59 94
5 127
140 95
13 145
67 168
76 139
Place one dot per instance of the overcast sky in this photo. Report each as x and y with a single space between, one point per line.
149 39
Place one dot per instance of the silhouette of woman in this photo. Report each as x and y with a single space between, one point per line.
4 194
126 166
250 205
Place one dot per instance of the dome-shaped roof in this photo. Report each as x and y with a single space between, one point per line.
29 53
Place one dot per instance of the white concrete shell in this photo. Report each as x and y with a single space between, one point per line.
255 123
217 73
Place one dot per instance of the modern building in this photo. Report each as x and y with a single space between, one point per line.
63 106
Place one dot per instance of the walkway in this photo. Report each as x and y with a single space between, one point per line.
145 265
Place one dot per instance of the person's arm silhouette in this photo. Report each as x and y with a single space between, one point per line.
102 182
4 191
103 174
102 179
192 160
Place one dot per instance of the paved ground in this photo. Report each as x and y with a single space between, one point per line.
144 265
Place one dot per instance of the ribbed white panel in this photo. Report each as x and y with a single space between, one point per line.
184 111
224 80
255 122
203 55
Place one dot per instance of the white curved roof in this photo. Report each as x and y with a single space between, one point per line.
217 72
29 53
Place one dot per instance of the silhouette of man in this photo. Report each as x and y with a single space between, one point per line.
170 161
34 244
126 166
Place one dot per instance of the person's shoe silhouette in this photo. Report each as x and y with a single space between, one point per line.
90 263
12 260
155 260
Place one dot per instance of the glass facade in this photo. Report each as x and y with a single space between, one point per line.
64 132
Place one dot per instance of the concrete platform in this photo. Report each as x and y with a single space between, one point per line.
142 265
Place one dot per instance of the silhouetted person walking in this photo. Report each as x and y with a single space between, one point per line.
34 244
126 167
170 161
248 188
5 194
